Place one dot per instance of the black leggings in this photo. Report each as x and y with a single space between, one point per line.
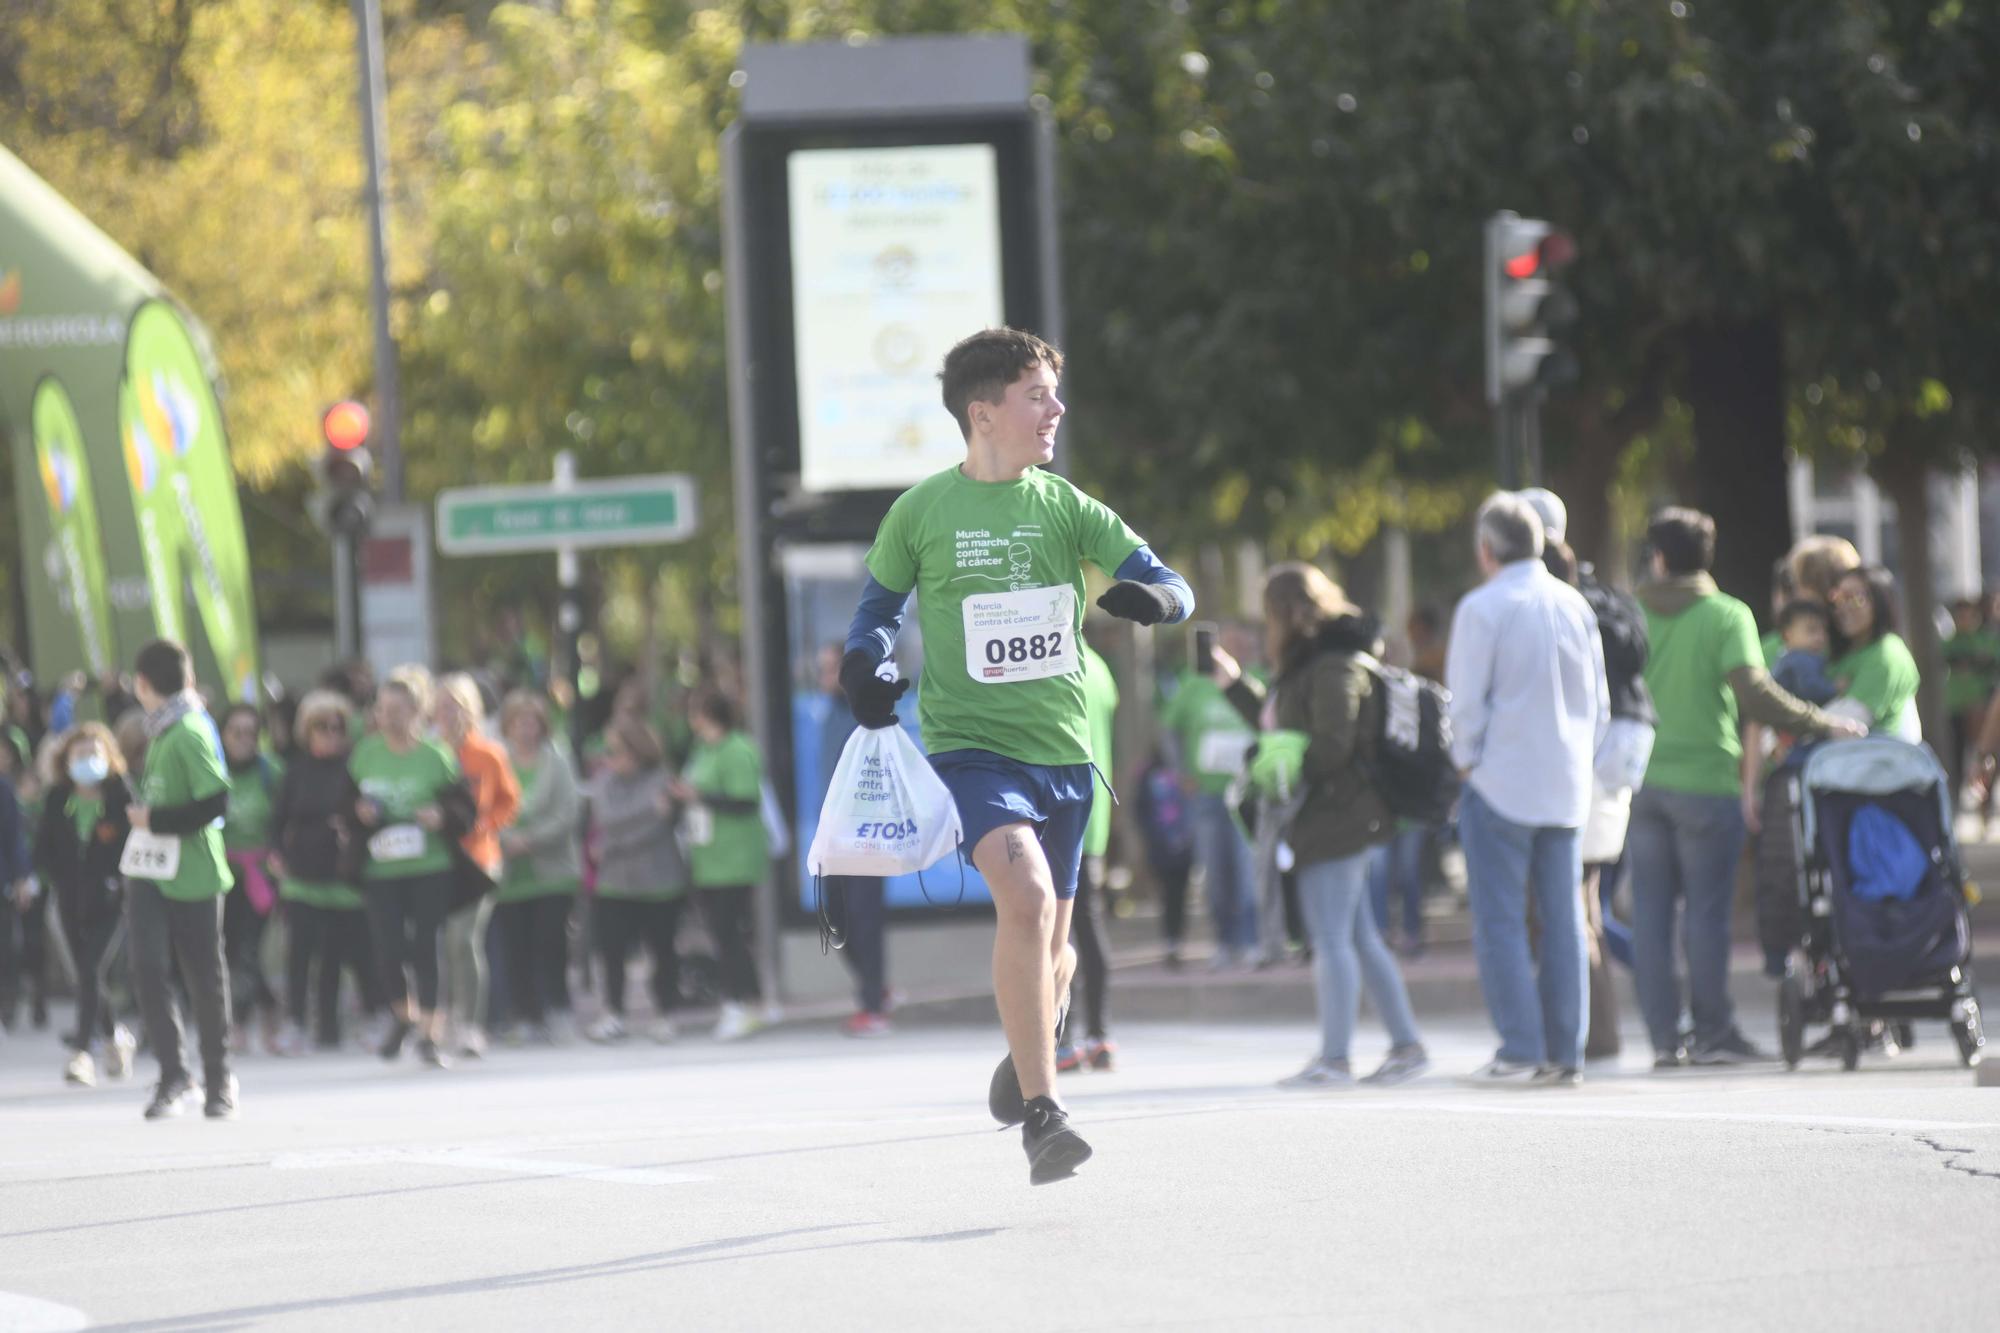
618 924
534 940
329 938
404 916
1086 928
727 912
90 921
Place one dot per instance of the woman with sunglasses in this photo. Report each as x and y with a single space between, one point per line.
1874 668
315 855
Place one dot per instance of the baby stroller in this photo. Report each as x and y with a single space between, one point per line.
1883 931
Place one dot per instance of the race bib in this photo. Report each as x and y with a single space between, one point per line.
398 842
698 826
149 855
1025 635
1221 752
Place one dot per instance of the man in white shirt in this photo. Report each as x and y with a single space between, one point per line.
1529 707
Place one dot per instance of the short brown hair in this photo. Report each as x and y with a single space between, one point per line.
525 703
640 741
1685 539
979 369
1818 564
164 665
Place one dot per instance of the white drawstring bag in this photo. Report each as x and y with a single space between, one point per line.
887 812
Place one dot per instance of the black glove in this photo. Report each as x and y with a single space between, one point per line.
1141 602
872 698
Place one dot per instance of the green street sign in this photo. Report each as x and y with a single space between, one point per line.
614 511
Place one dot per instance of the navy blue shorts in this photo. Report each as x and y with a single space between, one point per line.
992 790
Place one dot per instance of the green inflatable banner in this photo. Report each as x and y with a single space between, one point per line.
184 494
74 558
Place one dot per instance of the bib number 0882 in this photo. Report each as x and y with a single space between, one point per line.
1028 648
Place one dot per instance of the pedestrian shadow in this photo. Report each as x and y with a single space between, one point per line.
686 1256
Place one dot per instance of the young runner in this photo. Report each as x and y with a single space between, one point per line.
995 551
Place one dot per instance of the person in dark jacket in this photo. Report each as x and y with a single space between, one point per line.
77 849
1323 648
316 853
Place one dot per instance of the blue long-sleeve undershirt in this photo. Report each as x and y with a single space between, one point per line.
880 616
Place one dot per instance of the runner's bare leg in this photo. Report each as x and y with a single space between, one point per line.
1027 963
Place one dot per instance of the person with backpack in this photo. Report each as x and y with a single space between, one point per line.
1328 712
1529 709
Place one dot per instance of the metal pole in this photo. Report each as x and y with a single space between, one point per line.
569 611
346 600
387 435
1531 438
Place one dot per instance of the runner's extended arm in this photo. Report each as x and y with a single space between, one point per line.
1148 592
870 638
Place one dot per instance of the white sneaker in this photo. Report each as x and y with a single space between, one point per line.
291 1043
1318 1075
735 1023
606 1029
118 1058
81 1071
1503 1074
663 1030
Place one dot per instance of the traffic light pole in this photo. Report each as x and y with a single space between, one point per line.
346 597
375 150
1517 430
569 609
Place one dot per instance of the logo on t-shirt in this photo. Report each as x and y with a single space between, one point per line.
997 558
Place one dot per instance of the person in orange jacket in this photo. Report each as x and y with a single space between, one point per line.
460 715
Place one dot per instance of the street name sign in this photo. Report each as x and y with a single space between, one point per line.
613 511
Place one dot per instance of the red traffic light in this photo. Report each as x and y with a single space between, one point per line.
345 425
1554 251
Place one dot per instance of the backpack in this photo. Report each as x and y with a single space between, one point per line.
1410 764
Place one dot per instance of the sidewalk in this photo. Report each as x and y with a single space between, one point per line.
1444 980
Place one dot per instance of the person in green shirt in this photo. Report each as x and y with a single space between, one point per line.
1100 693
253 783
722 826
542 872
1214 738
407 881
177 879
1705 670
1972 665
995 549
1873 666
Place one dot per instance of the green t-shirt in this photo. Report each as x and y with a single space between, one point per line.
248 823
1214 737
1882 677
402 784
1697 749
1973 658
1773 647
1100 696
319 893
726 850
184 764
1001 564
86 811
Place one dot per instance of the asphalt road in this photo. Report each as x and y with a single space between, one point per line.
801 1180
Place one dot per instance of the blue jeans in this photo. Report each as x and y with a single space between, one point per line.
1348 950
1539 1016
1232 876
1684 850
1397 869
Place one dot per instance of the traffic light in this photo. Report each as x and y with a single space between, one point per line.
344 469
1526 306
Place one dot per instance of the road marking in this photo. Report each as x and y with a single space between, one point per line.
1600 1111
29 1314
469 1161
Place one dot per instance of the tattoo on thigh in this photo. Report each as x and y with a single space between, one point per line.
1017 847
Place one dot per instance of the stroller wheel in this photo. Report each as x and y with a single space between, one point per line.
1791 1020
1970 1036
1849 1041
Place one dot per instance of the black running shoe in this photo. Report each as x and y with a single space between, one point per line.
428 1052
399 1032
1054 1150
221 1103
1003 1093
169 1099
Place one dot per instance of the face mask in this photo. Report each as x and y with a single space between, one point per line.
89 770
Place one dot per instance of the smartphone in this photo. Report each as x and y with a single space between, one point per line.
1204 647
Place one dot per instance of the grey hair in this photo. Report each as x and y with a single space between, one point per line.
1509 528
